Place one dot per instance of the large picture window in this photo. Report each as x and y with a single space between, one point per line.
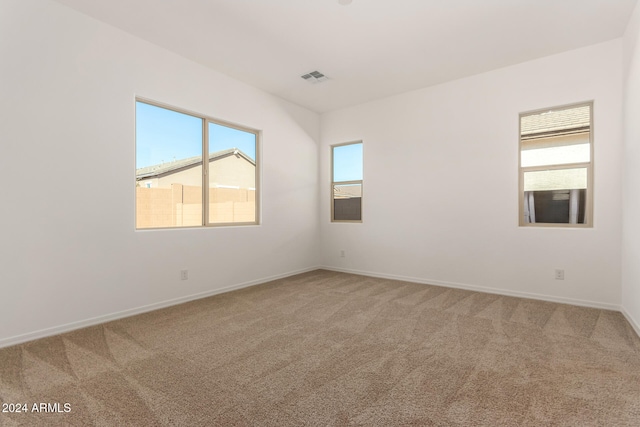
556 166
193 170
346 185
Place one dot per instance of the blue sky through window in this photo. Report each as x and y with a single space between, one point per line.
164 135
223 137
347 162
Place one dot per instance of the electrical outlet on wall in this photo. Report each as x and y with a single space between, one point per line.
342 253
184 274
559 274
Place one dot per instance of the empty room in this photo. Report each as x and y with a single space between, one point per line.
412 212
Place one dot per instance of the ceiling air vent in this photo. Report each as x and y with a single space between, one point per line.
314 77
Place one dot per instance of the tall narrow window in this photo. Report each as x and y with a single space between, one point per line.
556 166
175 187
346 185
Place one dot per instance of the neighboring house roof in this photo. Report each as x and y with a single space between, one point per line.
342 191
556 122
163 169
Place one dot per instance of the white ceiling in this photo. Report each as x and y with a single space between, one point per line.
368 49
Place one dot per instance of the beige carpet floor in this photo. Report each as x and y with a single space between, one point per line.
326 348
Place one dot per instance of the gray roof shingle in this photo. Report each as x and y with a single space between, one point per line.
556 121
175 166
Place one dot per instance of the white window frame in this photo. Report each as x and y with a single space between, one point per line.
205 170
587 165
356 182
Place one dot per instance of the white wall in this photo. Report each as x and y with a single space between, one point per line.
71 257
631 207
451 153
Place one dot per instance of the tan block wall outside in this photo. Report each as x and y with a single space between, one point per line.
181 206
153 207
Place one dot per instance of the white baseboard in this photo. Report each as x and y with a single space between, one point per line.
478 288
19 339
633 322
